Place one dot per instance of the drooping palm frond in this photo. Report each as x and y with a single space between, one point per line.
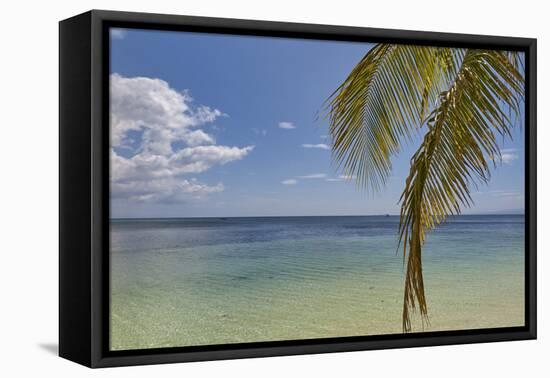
465 97
457 152
381 103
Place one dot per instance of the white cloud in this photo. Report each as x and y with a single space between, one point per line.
293 181
289 182
506 194
117 33
262 132
500 193
286 125
319 145
170 145
164 190
347 177
318 176
508 155
162 113
313 176
190 160
342 178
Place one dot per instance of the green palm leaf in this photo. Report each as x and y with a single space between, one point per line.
470 97
382 102
456 152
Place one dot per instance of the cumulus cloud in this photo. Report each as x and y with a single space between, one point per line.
162 190
289 182
321 146
162 113
190 160
171 144
286 125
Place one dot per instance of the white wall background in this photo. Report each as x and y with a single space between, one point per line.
28 194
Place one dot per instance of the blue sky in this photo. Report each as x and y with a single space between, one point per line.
213 125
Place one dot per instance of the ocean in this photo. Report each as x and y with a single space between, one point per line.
204 281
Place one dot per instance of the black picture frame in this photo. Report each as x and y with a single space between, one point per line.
84 188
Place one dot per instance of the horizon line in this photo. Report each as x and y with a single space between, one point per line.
305 216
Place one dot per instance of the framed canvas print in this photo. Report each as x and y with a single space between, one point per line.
234 188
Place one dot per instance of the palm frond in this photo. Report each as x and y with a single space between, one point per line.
380 104
456 153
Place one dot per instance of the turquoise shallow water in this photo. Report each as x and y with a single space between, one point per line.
180 282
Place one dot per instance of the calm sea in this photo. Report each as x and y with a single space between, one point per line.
200 281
